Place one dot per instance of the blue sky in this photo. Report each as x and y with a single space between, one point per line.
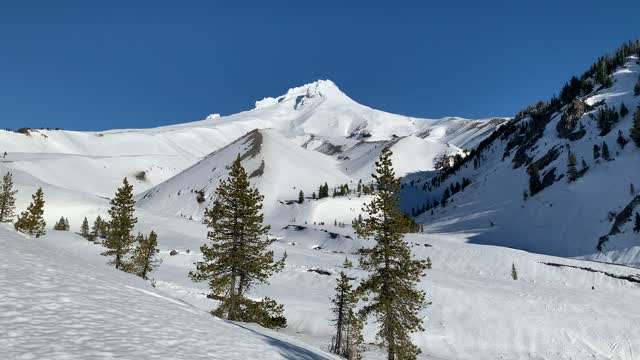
97 65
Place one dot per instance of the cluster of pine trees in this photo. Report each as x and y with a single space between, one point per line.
62 224
451 190
341 190
602 69
601 151
323 191
119 239
30 221
606 117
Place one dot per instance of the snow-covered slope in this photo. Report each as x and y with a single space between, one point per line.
477 310
57 305
276 166
410 154
566 218
316 116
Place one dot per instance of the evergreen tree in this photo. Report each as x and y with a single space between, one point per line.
636 226
119 239
596 151
99 228
621 140
237 257
300 197
623 110
535 185
636 89
348 328
390 289
634 133
572 171
347 264
429 264
7 198
84 228
445 197
605 151
62 224
514 273
632 189
144 259
31 221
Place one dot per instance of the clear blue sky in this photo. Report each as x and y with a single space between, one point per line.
90 65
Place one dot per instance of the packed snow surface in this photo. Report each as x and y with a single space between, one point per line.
57 305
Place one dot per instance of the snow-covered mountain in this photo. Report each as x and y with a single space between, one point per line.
317 116
590 217
559 308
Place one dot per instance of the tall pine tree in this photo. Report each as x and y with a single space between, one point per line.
237 256
572 171
605 151
348 329
7 198
391 286
634 133
119 239
84 228
31 221
535 185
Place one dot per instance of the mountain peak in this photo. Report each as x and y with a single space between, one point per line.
320 88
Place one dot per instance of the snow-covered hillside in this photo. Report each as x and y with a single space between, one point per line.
316 116
55 304
276 165
584 218
478 311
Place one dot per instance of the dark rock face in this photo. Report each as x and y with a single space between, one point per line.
620 219
547 159
570 118
549 178
577 135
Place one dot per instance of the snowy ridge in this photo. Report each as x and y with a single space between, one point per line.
277 166
318 111
564 219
